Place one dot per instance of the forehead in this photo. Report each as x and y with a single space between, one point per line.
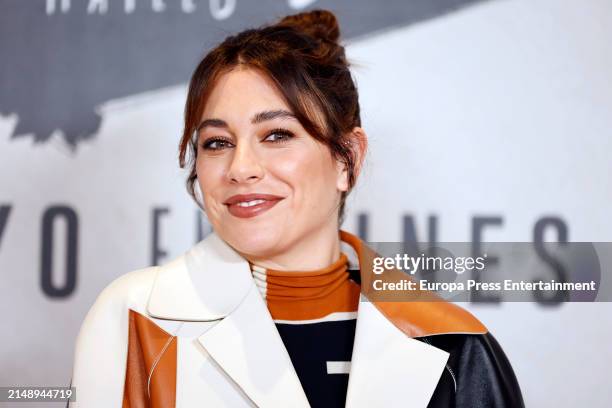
242 91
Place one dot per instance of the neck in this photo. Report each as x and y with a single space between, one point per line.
316 250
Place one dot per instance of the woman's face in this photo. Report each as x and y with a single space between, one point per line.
249 143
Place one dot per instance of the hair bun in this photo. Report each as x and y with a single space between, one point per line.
321 24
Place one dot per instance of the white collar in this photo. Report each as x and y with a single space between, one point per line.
205 283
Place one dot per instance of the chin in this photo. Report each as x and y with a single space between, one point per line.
253 239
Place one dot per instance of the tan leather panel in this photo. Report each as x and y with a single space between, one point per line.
135 388
416 313
150 349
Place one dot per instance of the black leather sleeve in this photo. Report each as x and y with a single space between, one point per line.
478 374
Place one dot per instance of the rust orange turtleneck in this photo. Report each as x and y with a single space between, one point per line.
308 295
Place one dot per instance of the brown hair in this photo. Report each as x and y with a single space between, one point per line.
302 56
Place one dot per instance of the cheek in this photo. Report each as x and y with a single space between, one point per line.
311 176
210 179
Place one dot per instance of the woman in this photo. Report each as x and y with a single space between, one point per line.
265 311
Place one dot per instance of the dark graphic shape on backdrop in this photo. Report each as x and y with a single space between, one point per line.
62 58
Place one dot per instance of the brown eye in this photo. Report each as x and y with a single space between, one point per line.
279 135
215 143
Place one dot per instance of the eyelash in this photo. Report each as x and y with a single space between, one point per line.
284 132
278 131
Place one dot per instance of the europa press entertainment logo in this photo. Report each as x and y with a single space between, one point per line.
62 59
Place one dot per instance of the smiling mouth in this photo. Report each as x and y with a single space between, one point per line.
251 203
251 207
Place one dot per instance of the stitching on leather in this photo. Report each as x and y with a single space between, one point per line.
452 375
426 340
159 356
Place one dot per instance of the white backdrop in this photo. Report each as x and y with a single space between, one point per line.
500 109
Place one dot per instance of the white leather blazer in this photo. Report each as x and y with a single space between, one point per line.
196 332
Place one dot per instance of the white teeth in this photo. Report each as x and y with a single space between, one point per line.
250 203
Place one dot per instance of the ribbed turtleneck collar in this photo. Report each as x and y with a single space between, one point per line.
300 285
304 295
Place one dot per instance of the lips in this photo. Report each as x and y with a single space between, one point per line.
267 201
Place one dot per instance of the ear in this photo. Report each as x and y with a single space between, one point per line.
357 141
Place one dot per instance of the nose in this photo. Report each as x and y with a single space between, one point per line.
245 165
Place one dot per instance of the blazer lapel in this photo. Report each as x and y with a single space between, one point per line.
213 283
246 344
388 368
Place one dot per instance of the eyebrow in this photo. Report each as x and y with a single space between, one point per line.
257 118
